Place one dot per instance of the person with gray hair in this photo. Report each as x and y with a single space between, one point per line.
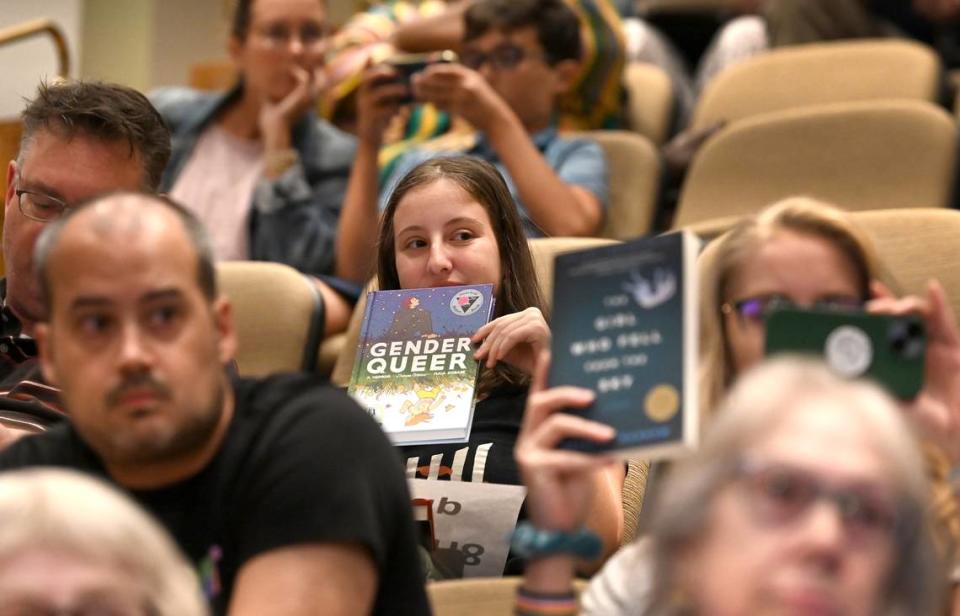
807 496
72 544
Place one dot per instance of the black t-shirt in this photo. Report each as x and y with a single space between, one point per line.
300 463
488 456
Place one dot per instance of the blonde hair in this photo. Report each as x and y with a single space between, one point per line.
71 512
721 259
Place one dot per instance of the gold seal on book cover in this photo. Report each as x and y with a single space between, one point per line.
662 402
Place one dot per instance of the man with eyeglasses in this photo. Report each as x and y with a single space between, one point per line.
517 57
80 139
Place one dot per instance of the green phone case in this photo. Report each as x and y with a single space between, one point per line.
888 349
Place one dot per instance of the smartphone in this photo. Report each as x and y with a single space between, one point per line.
887 349
408 65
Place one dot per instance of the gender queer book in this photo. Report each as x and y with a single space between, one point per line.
415 372
625 325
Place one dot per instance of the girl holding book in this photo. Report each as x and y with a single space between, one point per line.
451 221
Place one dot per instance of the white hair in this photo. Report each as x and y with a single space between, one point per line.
78 514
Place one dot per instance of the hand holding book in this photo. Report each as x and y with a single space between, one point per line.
561 483
516 339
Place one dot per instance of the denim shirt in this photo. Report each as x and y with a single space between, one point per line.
293 218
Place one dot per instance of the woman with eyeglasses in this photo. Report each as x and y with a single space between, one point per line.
797 252
255 164
806 253
807 496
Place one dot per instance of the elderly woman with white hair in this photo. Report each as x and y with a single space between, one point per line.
70 544
808 496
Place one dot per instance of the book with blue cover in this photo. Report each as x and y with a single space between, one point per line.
414 371
625 325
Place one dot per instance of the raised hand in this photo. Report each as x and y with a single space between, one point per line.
517 339
378 101
462 92
935 412
278 117
560 484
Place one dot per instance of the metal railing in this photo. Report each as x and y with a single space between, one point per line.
38 27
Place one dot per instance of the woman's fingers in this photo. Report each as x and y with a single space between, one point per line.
541 366
941 321
542 403
501 337
561 426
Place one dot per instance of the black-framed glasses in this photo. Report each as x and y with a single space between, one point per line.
782 494
501 57
40 206
756 309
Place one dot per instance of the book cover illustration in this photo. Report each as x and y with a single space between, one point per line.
625 326
415 372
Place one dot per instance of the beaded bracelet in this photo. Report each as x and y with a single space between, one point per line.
543 604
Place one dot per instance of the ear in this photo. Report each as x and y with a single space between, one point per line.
226 332
235 49
11 186
41 334
567 72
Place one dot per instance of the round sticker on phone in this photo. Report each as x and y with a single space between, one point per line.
848 351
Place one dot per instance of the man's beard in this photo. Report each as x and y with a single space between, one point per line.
191 433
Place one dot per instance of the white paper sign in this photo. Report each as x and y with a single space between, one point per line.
474 518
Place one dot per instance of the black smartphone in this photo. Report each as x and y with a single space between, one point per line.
408 65
888 349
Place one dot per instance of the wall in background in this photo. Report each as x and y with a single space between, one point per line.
141 43
26 62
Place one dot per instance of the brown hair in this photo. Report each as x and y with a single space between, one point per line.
105 111
519 288
243 16
557 26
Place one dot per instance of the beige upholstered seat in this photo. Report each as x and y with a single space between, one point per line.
649 100
343 367
860 156
916 245
278 316
634 169
477 597
804 75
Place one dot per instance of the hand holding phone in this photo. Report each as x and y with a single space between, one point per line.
407 65
886 348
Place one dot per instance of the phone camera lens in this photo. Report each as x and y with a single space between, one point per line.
906 338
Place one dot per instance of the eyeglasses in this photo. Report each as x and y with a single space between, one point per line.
279 35
782 494
39 206
502 57
756 309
